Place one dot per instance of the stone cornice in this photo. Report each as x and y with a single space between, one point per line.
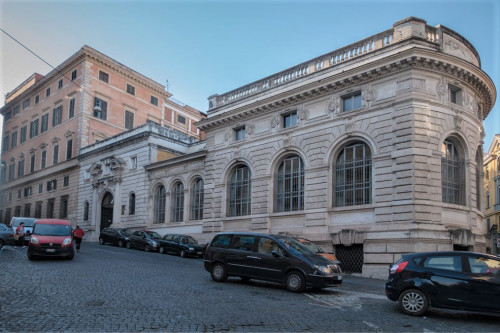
356 77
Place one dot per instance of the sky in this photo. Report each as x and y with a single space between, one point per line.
206 47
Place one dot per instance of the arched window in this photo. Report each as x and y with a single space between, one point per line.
197 200
86 211
131 204
479 167
353 175
159 204
240 191
452 173
290 185
178 203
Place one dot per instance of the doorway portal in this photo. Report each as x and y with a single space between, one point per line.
106 210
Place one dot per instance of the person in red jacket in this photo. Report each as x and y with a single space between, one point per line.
78 235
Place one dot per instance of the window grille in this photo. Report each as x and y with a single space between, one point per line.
452 175
159 204
178 203
353 171
290 185
350 257
240 192
131 204
197 200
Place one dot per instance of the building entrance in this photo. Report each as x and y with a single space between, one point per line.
107 210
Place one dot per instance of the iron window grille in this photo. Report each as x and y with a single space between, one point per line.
104 76
131 204
86 211
290 185
197 200
240 189
159 204
452 175
178 203
130 89
353 176
32 163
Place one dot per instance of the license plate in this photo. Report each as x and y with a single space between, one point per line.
198 252
51 250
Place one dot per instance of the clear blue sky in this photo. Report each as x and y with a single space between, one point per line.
207 47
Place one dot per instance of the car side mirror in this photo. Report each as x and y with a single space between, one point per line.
276 254
28 232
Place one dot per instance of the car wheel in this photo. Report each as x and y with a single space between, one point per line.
101 241
161 250
413 302
183 254
147 248
295 282
128 245
120 243
30 256
219 273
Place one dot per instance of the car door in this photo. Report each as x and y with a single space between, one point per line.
174 244
240 255
484 282
138 239
267 266
448 281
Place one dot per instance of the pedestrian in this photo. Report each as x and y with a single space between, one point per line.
78 235
20 234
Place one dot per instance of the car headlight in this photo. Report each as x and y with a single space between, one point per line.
67 241
153 243
323 269
34 240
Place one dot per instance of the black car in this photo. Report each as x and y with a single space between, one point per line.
6 236
144 240
271 258
183 245
455 280
114 236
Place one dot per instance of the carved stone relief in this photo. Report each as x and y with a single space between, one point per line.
334 106
458 119
250 129
275 123
227 136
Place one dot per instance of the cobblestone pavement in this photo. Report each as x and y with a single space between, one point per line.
111 289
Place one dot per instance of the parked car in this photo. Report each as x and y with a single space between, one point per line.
6 236
455 280
51 238
114 236
317 249
28 226
144 240
183 245
271 258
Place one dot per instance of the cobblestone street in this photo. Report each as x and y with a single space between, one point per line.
111 289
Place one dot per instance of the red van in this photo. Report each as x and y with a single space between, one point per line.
51 238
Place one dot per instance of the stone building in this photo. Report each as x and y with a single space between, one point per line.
492 194
48 119
374 149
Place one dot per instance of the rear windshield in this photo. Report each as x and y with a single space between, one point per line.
52 230
125 232
28 222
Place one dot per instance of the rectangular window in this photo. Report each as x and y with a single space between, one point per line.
129 120
60 84
71 108
27 192
133 162
44 160
37 99
32 163
19 195
50 208
57 116
181 119
351 102
239 133
290 120
26 104
63 213
51 185
34 128
15 110
45 123
130 89
66 181
14 140
455 94
100 108
38 209
154 100
5 143
103 77
20 168
73 75
40 188
69 149
24 131
27 210
12 171
55 157
7 116
47 92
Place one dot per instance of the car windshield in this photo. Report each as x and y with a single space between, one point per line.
294 246
52 230
124 232
311 246
153 235
28 222
188 240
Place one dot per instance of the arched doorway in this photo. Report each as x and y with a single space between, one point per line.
106 210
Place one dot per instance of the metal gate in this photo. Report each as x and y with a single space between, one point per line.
350 257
